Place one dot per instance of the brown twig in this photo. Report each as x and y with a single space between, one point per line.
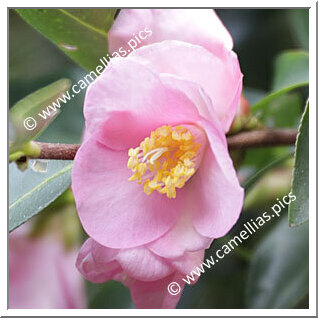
262 138
57 151
251 139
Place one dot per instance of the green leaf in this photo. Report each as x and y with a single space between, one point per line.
291 70
247 185
34 189
257 158
283 112
79 33
279 272
274 184
299 209
30 107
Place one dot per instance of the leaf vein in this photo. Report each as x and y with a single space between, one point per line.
64 170
102 32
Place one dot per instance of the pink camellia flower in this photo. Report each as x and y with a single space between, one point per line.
42 274
153 180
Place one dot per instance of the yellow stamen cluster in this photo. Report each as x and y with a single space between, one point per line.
165 160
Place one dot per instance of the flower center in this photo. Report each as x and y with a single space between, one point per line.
167 159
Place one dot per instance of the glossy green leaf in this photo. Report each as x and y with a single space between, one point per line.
279 270
79 33
291 70
299 209
257 158
272 185
25 113
32 190
247 185
283 112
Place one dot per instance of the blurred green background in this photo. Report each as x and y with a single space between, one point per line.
259 35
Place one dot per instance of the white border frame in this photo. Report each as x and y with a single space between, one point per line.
312 162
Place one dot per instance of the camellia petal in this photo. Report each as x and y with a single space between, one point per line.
182 238
97 263
114 211
216 196
199 26
91 271
188 262
219 76
149 295
144 105
135 262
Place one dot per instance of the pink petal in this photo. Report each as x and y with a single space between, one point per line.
97 263
188 262
216 196
196 26
141 264
114 211
193 91
180 239
149 295
128 100
219 76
